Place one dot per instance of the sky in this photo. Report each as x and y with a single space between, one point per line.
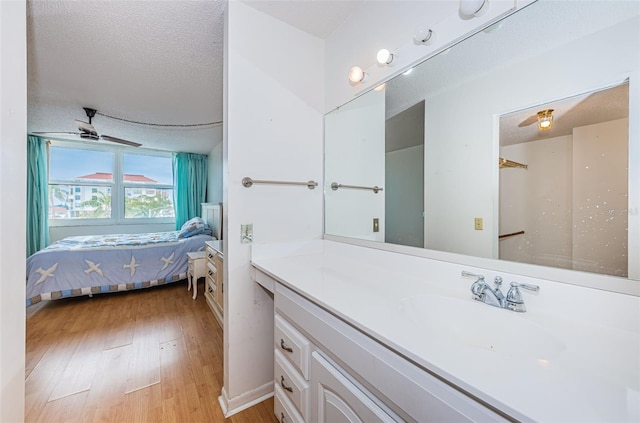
68 164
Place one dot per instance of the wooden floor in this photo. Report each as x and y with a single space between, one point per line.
152 355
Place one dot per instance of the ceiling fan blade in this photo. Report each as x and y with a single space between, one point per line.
120 141
528 121
54 133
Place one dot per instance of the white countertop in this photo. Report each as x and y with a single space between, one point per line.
542 365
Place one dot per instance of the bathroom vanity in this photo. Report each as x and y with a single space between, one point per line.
391 337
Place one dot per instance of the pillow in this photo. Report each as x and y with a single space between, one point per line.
196 222
205 230
193 227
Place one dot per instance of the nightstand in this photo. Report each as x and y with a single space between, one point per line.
197 269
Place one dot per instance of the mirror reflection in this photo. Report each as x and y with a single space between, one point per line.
433 140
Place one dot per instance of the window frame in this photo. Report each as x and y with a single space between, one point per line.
117 186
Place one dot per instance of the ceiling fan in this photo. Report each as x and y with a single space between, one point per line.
87 131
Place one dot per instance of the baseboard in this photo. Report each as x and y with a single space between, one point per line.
244 401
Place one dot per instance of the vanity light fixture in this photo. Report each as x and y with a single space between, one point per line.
545 119
424 36
357 75
472 8
384 57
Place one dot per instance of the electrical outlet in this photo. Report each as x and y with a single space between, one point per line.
478 223
246 233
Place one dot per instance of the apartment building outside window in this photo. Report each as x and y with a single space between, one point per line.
107 185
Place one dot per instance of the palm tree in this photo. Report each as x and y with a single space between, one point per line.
100 205
148 206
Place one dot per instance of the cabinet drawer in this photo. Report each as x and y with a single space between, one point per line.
283 409
292 344
292 383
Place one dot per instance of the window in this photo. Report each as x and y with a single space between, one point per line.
108 185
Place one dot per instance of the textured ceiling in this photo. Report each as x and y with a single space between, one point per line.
569 113
148 61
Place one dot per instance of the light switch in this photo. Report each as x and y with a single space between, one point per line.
478 223
376 224
246 233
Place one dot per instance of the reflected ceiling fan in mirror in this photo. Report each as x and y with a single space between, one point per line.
87 131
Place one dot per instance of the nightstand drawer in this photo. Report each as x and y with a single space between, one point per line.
292 344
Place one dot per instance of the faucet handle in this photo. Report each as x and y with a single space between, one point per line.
473 275
514 299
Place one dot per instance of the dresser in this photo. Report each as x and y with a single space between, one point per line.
214 287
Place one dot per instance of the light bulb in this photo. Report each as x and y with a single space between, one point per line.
356 74
471 8
545 119
384 57
423 36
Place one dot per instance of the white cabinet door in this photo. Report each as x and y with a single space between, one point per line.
337 399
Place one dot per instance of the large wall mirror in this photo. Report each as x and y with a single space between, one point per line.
462 162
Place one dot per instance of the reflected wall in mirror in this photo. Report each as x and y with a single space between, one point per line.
548 51
564 188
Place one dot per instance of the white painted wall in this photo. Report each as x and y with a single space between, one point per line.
461 156
13 168
538 201
392 25
273 131
600 197
355 137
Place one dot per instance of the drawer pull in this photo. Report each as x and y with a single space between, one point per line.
210 289
210 255
285 387
282 418
284 347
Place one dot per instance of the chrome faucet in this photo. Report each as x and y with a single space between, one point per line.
481 291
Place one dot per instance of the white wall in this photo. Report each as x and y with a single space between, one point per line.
538 200
355 136
273 131
392 25
13 162
600 197
461 157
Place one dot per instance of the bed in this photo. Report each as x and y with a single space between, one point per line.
95 264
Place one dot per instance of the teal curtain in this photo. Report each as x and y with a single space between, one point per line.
37 195
189 185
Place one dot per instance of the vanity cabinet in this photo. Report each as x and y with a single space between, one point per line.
214 288
326 370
